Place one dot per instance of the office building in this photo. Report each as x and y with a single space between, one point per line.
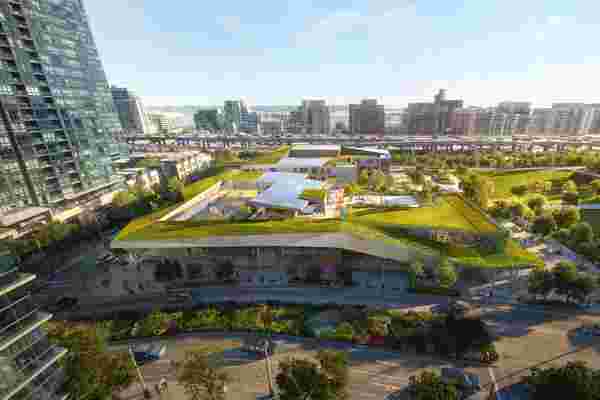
338 117
209 120
29 362
232 115
131 111
368 117
315 117
162 123
432 118
59 129
249 121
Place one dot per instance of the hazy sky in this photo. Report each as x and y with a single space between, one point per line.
277 51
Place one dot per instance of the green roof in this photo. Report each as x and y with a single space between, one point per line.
391 226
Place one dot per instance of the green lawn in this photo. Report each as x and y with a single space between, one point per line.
233 175
263 157
505 181
449 212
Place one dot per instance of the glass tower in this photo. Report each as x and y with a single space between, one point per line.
58 125
29 363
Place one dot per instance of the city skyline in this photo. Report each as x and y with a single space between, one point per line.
403 51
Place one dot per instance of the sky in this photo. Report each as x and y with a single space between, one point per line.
277 52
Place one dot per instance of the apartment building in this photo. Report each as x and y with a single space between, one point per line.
315 115
162 123
59 128
368 117
131 111
29 363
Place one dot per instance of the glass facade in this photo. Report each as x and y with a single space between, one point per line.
59 131
29 366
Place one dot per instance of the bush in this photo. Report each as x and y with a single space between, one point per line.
489 355
436 290
519 190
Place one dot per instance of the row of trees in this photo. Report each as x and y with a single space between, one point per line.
478 188
499 159
563 280
574 381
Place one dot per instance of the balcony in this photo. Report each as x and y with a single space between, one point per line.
49 385
25 323
37 373
12 280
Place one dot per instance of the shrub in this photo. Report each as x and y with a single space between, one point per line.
489 355
519 190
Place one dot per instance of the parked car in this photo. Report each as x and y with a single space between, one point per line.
144 353
466 382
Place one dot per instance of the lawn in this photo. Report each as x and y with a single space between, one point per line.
232 175
263 157
505 181
390 227
449 212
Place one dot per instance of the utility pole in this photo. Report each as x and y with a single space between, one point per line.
268 367
147 393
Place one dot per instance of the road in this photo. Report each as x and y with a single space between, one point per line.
373 373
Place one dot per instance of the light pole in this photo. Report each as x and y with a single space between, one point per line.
147 393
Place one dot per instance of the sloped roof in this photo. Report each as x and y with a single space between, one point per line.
286 194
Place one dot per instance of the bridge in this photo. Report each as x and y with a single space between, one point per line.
407 143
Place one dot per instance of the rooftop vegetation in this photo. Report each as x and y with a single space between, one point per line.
232 175
313 194
389 226
505 181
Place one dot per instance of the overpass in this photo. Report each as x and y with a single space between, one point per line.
407 143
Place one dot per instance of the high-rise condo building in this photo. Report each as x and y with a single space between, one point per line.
368 117
131 111
29 363
58 125
432 118
316 117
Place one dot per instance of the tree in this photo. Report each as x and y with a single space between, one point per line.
122 199
519 190
363 179
300 379
565 274
537 203
484 189
582 287
595 186
427 193
175 188
202 377
540 282
389 181
545 224
573 381
417 176
335 366
429 386
92 371
570 198
155 324
417 270
569 186
581 232
446 273
379 180
566 216
520 210
266 316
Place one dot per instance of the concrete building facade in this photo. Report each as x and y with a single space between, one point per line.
315 115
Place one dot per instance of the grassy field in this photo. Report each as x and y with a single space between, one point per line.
233 175
505 181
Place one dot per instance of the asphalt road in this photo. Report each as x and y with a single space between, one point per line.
373 373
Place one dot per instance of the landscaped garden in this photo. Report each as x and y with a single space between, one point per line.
504 182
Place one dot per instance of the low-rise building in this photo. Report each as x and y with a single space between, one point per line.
182 165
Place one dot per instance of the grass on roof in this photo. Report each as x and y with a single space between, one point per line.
449 212
232 175
314 194
505 181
